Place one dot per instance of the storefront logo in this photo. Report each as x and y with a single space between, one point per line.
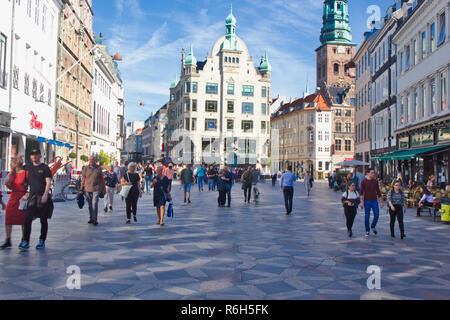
35 124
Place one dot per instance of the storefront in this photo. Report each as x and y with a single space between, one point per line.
421 153
5 132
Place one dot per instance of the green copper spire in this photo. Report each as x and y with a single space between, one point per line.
190 59
265 65
231 42
336 28
174 83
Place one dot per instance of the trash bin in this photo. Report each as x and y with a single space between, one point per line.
445 212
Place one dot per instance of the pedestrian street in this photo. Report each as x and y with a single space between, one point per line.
252 251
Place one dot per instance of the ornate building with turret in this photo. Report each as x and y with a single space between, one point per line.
219 108
336 76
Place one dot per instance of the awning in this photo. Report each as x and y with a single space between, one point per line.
406 154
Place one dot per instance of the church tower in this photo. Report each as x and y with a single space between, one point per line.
334 56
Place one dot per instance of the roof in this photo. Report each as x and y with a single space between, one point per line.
314 101
336 94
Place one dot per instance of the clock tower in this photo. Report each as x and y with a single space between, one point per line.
334 56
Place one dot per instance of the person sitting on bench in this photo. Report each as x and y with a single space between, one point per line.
426 201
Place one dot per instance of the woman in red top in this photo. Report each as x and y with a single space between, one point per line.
17 182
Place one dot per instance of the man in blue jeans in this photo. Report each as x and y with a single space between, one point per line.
371 200
287 186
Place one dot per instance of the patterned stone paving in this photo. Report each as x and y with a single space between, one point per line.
245 252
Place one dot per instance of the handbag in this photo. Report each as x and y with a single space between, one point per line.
126 189
23 204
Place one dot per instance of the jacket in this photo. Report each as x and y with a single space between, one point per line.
92 179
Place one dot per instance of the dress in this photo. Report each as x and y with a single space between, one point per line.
158 194
14 216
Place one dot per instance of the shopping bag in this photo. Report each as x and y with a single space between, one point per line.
170 212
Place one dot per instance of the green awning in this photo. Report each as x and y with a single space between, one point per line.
406 154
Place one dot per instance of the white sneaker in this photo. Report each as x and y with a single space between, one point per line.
367 234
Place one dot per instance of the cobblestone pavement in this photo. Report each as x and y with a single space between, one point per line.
243 252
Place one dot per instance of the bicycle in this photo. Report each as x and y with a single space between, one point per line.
71 190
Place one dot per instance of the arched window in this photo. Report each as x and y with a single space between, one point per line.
336 69
226 59
234 60
237 60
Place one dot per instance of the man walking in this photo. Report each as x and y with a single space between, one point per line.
228 177
371 200
308 183
93 185
111 181
248 178
186 179
169 174
40 205
287 187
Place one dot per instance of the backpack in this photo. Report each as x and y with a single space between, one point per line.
346 197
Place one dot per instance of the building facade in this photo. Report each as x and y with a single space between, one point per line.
107 110
336 76
363 89
301 136
28 80
154 142
76 68
423 109
220 106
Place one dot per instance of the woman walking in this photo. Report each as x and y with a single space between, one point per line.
132 178
397 203
161 194
222 188
308 183
17 182
111 181
351 200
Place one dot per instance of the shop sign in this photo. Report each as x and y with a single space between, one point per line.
35 123
403 143
444 135
423 139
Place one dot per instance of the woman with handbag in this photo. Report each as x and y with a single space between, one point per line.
131 191
351 200
17 182
397 207
161 194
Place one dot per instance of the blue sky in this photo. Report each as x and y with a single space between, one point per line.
150 35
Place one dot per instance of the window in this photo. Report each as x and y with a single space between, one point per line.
248 91
443 90
408 57
424 45
348 113
247 126
432 37
230 125
338 145
188 87
320 136
415 57
29 8
433 97
194 124
442 37
401 63
338 112
230 89
263 127
230 106
348 145
327 118
424 99
348 128
187 124
264 92
194 105
338 127
416 105
188 105
264 109
336 69
210 125
194 87
36 12
2 60
247 108
320 118
44 18
211 106
212 88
